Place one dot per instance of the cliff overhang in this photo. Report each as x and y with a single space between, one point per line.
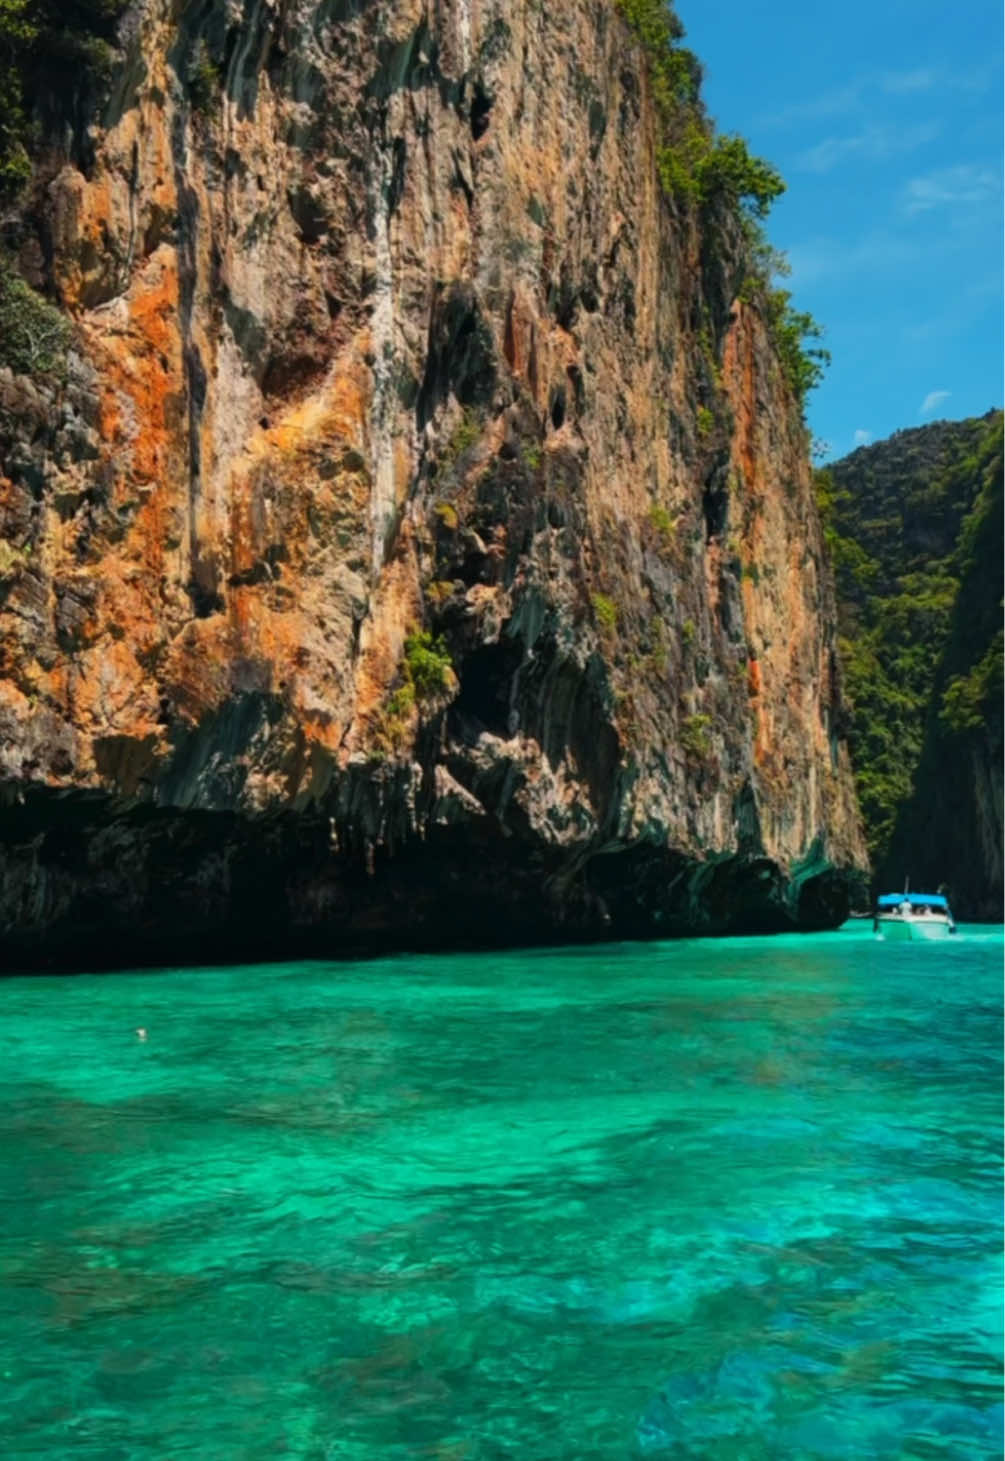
92 885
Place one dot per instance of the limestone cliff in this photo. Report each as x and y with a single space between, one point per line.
383 325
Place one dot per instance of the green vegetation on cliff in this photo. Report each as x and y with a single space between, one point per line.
914 530
34 335
17 34
427 666
718 173
51 53
796 335
693 161
424 673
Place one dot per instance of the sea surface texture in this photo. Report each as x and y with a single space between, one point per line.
726 1200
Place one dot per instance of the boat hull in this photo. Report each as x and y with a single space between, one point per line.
905 930
932 928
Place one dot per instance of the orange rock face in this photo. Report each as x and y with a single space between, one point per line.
400 333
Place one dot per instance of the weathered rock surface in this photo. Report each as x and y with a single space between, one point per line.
398 330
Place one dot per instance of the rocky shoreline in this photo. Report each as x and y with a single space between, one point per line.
94 888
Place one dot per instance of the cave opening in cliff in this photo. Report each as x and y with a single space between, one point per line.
481 105
486 680
558 407
715 505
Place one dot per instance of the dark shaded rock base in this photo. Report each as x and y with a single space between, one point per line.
85 885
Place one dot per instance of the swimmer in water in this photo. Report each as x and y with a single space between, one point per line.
141 1033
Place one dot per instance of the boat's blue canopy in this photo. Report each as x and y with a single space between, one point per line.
894 900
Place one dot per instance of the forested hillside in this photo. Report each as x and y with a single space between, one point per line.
915 531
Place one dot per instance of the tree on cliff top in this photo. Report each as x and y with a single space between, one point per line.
694 162
718 174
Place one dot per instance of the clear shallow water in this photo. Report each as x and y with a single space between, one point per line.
723 1200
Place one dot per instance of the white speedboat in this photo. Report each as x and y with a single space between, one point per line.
913 916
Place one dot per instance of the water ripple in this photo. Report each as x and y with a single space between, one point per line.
727 1200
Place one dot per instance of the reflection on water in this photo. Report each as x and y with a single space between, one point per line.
728 1200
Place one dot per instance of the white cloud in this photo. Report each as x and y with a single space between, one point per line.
861 94
933 401
875 143
933 78
951 187
964 309
839 102
905 83
878 253
862 438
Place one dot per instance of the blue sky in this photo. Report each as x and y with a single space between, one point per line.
885 119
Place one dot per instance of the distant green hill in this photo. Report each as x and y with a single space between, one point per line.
914 525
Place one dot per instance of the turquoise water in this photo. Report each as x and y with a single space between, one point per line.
725 1200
